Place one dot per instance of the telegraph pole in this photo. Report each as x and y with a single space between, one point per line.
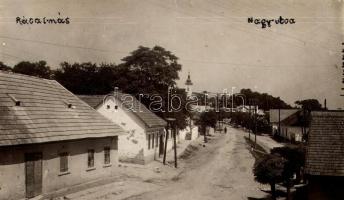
175 145
255 125
249 122
279 121
165 149
173 134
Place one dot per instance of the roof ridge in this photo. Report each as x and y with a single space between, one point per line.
25 75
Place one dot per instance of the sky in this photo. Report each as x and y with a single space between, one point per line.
212 39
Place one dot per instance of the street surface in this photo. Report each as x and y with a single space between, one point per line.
220 170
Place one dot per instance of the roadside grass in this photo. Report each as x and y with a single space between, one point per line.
258 152
189 151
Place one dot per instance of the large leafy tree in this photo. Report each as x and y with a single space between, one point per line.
39 69
86 78
309 104
149 72
263 100
270 170
295 160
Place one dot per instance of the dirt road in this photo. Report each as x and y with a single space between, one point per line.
221 170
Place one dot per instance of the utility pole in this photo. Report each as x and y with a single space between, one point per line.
205 133
255 125
249 121
169 122
279 121
166 136
175 145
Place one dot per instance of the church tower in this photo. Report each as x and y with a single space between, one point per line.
188 85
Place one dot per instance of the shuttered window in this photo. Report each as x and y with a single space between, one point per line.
90 158
153 138
149 139
107 155
157 140
116 143
64 162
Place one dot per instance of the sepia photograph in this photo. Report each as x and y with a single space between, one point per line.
171 100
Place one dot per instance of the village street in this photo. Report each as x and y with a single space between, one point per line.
221 170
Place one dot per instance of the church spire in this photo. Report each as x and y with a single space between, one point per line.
188 84
188 81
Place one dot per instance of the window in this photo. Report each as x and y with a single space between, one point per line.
116 107
64 162
153 137
157 140
149 139
107 155
90 159
116 143
107 106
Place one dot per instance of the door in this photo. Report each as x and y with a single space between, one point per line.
161 144
33 174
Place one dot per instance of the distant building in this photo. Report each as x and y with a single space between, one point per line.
292 128
188 86
50 139
144 138
247 109
278 115
325 156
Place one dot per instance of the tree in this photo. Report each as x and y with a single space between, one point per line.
207 119
309 104
264 100
86 78
295 160
295 156
39 69
152 71
269 170
5 67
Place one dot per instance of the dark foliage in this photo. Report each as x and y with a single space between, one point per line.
263 100
5 67
310 104
269 170
86 78
39 69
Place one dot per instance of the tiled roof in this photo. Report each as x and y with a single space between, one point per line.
150 119
284 113
325 149
44 114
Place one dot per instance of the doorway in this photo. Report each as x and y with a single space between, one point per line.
33 174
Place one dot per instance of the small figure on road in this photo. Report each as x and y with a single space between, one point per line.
225 130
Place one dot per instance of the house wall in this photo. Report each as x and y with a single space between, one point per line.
183 133
291 132
133 143
151 150
12 165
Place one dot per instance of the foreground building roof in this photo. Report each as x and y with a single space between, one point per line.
325 150
131 104
35 110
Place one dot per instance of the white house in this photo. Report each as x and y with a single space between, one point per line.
278 115
144 138
289 122
252 109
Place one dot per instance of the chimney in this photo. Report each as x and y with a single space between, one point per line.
325 106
